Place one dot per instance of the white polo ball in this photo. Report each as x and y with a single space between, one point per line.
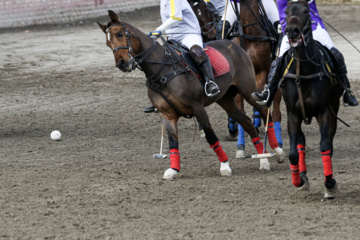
55 135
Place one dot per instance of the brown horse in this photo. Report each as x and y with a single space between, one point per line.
255 40
175 92
207 19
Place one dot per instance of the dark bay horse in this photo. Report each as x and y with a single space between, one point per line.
309 90
206 18
254 35
181 94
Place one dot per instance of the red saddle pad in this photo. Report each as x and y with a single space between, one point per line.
218 61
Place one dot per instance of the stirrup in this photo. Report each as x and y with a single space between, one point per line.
350 94
259 100
211 89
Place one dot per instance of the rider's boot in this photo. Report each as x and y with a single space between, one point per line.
202 59
219 29
149 109
266 97
348 96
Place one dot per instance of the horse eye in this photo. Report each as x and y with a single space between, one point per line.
306 12
119 34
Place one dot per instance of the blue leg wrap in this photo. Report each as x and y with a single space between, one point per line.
256 119
241 137
277 127
232 125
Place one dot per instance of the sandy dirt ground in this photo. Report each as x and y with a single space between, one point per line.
101 182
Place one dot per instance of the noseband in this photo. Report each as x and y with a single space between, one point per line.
136 59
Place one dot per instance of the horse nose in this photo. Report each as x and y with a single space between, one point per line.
121 63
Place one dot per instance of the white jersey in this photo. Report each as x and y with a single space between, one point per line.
219 6
179 10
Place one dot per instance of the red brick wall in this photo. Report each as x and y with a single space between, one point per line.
15 13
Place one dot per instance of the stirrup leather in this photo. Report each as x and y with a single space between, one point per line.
211 88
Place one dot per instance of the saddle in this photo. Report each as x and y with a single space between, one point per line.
218 62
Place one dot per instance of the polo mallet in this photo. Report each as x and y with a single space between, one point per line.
160 155
264 155
223 27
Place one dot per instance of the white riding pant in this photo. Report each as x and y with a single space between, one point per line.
269 6
319 34
190 40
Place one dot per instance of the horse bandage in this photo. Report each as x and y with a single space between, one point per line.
175 159
258 145
326 158
272 137
301 152
219 151
295 175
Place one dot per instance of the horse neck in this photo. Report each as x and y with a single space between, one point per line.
249 14
308 49
149 65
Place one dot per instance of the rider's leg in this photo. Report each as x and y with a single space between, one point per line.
266 97
202 59
272 11
229 18
348 96
321 35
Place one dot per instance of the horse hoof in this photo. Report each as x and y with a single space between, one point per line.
280 155
264 164
240 154
170 174
306 185
202 133
225 169
330 192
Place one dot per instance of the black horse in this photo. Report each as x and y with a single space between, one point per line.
310 89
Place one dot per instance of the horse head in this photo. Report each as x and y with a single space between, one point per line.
121 40
298 22
206 19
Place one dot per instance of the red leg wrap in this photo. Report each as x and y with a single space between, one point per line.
175 159
295 175
327 163
271 136
301 151
219 151
258 145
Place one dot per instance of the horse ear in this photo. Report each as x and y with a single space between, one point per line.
114 17
103 27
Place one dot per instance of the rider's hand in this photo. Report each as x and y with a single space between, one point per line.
155 33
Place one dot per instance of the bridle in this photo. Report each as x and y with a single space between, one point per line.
136 58
212 23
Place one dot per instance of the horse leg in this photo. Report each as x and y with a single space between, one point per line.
302 164
232 124
240 152
263 110
295 135
172 132
202 117
327 125
276 114
228 104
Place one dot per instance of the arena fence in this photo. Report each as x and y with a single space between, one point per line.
19 13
